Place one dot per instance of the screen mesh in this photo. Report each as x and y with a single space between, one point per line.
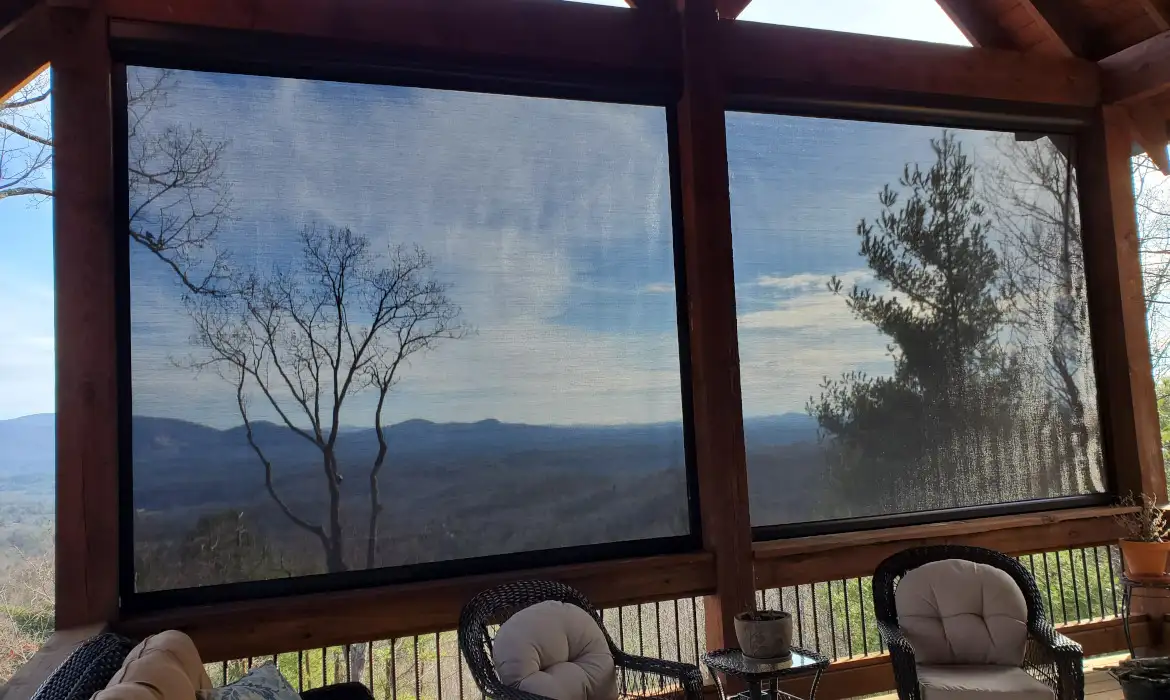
912 319
378 326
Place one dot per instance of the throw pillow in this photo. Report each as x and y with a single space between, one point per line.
261 683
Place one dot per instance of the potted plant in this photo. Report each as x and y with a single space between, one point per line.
764 635
1144 547
1143 679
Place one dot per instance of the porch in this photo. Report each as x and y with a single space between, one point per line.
1027 452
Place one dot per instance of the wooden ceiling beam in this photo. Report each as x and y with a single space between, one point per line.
1151 133
1137 73
560 36
598 42
765 61
24 50
1057 20
1158 12
978 24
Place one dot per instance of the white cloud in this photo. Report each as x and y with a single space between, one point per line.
806 334
659 288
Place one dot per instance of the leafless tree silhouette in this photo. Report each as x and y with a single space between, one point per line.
179 197
307 337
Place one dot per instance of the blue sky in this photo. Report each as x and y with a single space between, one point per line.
549 219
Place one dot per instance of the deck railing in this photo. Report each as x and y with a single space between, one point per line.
833 617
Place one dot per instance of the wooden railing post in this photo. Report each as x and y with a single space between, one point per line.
1117 309
86 338
714 354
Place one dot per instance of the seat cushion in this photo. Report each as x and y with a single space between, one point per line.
165 666
960 682
87 670
960 612
556 650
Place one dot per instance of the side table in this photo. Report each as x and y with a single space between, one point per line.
1127 588
732 663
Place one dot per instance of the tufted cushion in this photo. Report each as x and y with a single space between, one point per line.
959 612
87 670
165 666
556 650
980 683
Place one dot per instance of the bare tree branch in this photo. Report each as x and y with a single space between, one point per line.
312 335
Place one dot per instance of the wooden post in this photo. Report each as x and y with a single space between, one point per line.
714 353
84 253
1133 445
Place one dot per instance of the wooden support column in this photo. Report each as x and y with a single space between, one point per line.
1133 445
84 251
714 353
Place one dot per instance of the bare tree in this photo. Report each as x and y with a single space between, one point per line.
26 145
1153 212
310 336
179 196
1032 194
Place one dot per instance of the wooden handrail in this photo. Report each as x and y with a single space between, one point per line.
852 554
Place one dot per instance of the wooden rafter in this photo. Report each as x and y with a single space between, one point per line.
1139 72
765 60
1151 133
24 51
1158 12
978 24
1056 19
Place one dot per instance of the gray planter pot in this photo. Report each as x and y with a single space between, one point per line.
764 635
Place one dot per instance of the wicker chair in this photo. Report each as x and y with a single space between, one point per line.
636 676
1050 657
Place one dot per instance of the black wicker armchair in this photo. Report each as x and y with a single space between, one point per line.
1050 657
637 676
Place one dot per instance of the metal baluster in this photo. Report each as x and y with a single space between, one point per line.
394 669
300 672
438 668
799 615
324 671
1100 588
1048 587
370 663
621 630
848 624
864 627
417 675
832 620
1088 586
816 619
1112 579
641 641
223 667
1072 571
459 658
695 621
658 628
677 635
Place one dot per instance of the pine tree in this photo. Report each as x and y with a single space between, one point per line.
939 301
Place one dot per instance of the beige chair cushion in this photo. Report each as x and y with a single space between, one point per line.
980 683
556 650
165 666
960 612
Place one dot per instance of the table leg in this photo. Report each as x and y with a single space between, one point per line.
754 690
1126 604
812 694
718 685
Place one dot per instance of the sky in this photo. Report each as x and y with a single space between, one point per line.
557 250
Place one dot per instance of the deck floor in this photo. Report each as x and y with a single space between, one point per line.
1099 685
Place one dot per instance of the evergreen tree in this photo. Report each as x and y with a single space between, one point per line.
940 304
